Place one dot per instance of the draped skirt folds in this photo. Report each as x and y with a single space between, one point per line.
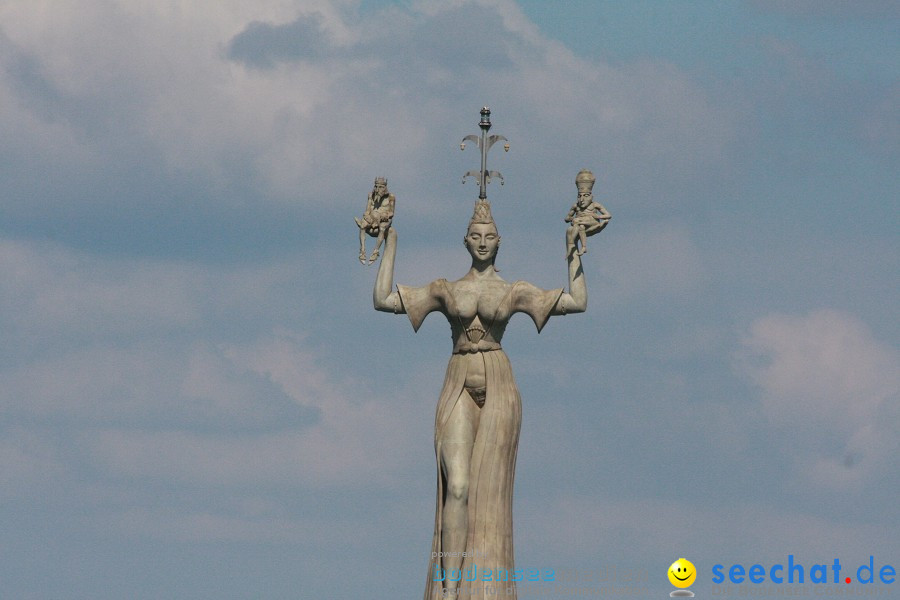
489 546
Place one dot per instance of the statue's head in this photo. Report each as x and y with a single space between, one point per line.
380 186
584 181
482 239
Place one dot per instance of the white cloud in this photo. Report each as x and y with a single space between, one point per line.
48 292
116 76
152 402
128 354
831 389
354 439
141 85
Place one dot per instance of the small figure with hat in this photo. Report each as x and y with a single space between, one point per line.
586 216
376 220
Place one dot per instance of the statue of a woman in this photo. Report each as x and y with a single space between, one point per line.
476 429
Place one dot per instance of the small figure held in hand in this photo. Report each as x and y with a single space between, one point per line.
376 220
586 216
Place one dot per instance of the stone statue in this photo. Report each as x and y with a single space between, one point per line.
376 220
476 430
586 216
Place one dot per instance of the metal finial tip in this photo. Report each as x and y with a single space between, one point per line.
485 118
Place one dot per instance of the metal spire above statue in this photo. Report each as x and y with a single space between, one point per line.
485 143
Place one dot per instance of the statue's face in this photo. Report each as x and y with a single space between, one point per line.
585 198
482 241
380 188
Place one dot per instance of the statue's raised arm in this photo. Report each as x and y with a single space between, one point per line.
383 297
575 301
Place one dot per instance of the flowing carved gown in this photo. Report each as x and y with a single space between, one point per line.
490 537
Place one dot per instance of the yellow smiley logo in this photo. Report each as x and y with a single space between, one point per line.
682 573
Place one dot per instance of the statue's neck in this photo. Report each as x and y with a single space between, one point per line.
482 271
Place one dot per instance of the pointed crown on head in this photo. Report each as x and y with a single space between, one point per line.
381 180
584 181
482 213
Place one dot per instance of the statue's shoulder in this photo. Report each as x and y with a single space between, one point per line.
522 285
525 292
436 288
452 286
440 287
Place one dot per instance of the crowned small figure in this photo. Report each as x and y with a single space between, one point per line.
586 216
376 220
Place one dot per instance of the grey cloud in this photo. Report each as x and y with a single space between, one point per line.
263 45
827 380
150 389
91 113
28 80
459 39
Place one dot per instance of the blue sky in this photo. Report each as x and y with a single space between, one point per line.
198 400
